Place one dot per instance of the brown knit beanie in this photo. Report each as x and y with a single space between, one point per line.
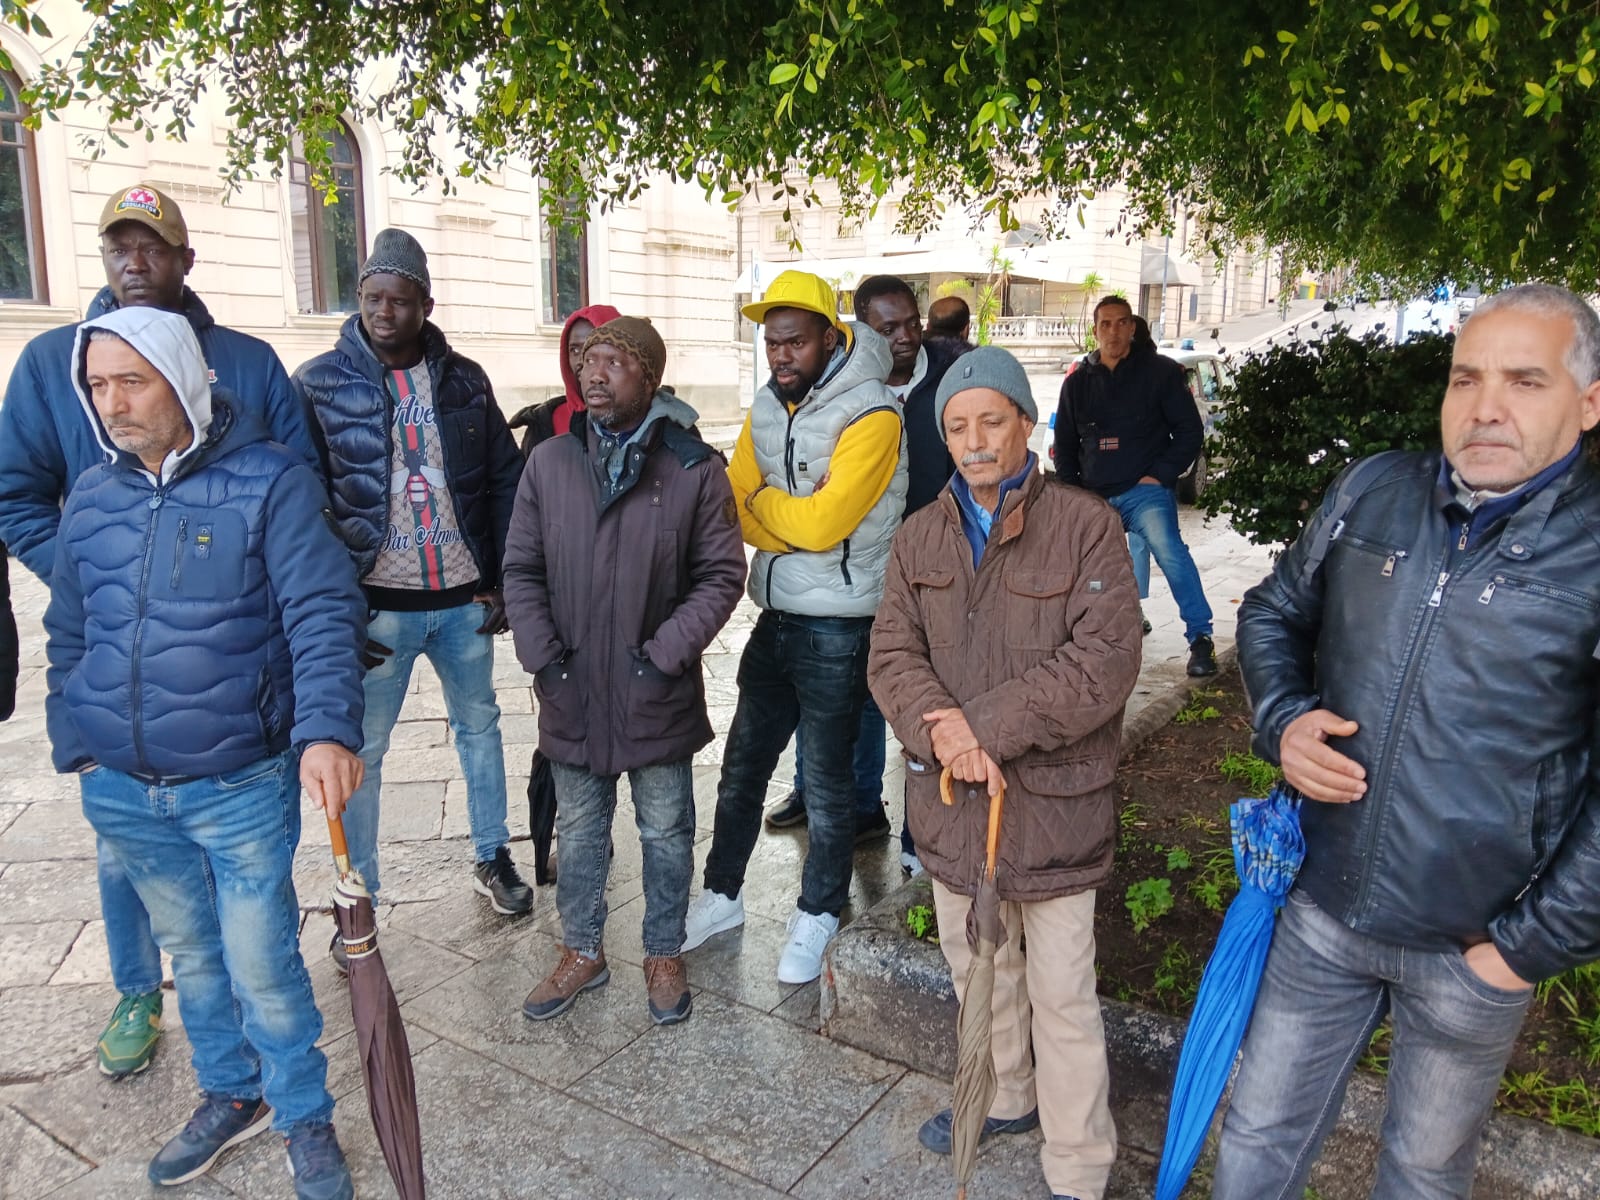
635 336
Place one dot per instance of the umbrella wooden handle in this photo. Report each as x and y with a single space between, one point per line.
341 849
996 804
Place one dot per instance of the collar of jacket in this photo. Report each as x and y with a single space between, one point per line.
1529 507
353 341
194 309
1013 503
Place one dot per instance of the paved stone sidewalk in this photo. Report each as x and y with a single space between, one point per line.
744 1100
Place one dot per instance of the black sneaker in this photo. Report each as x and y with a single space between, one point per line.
317 1164
218 1123
935 1132
337 952
498 879
872 826
1202 657
788 812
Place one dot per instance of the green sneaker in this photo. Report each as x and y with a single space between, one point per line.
129 1041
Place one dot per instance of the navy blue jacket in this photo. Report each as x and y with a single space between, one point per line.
351 415
928 462
201 625
45 442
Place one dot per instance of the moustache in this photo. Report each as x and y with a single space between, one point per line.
1487 435
979 456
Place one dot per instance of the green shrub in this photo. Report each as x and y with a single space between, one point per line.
1298 413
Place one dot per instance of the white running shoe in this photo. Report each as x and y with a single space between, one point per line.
910 863
711 913
809 936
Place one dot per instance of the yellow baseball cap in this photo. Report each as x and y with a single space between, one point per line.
796 289
148 207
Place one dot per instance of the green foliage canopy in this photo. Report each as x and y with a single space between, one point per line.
1419 141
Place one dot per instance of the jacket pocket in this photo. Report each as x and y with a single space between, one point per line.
205 553
1036 609
660 705
562 708
267 709
935 599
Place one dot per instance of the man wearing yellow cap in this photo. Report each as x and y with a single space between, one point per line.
46 442
819 478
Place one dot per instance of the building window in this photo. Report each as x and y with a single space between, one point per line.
21 223
565 259
330 239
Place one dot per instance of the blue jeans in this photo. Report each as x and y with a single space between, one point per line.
1151 511
213 861
1139 551
135 958
1325 990
464 661
797 673
663 808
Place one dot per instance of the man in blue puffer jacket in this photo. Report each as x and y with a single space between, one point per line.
204 630
45 444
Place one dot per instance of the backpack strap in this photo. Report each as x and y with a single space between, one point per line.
1357 480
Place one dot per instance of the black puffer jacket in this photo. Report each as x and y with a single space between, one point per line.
1471 671
352 420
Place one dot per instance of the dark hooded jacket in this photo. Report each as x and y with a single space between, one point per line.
352 417
1116 425
615 588
928 462
202 622
45 444
10 658
541 422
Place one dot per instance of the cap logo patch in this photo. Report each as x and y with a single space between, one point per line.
966 373
142 199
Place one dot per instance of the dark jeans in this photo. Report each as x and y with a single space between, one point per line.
870 758
810 674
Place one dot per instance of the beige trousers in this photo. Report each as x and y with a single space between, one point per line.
1050 995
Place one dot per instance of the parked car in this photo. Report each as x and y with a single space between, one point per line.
1206 373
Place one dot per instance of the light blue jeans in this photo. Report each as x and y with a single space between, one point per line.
1325 990
663 808
213 860
135 958
464 661
1151 511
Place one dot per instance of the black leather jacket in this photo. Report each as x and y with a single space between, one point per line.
1470 666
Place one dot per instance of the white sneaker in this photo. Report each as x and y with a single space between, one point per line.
710 914
910 863
809 936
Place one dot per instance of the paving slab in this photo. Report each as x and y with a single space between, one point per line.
32 1163
741 1087
31 954
48 1030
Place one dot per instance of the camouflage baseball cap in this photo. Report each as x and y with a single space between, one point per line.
148 207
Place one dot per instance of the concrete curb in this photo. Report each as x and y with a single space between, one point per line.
891 995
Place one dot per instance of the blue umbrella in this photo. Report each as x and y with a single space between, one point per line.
1267 852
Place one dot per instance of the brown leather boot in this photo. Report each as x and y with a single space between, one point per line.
668 984
573 974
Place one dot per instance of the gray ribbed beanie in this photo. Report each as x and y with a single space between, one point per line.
985 367
396 252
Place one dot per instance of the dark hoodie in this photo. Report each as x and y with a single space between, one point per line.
1116 425
543 421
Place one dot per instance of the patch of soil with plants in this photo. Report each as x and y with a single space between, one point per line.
1158 918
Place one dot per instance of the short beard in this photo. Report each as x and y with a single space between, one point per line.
793 394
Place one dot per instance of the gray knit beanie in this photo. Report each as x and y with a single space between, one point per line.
985 367
396 252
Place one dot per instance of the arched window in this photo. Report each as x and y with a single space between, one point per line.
330 240
21 223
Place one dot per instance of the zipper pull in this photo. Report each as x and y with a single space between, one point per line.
1388 563
1466 528
1337 530
1438 589
1488 591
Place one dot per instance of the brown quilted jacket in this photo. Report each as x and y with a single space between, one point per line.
1039 646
